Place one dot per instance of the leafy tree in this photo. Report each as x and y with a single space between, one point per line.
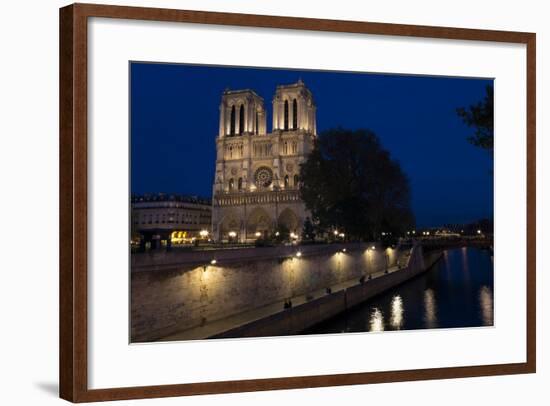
281 234
350 183
308 232
480 116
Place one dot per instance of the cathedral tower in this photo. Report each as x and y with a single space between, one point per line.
294 109
256 184
242 112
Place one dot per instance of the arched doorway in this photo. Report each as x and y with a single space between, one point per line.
259 221
230 224
289 220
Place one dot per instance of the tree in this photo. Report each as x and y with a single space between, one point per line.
350 183
480 116
308 232
281 234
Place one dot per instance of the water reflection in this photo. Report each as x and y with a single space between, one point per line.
465 263
396 319
486 305
430 311
456 292
376 320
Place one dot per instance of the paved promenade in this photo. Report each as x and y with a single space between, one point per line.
216 327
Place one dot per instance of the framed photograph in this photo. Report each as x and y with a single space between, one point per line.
254 202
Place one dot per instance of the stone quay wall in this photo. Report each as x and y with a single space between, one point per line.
306 315
173 291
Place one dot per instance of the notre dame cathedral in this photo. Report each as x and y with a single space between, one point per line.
256 180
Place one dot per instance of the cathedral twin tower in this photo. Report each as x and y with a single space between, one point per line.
256 183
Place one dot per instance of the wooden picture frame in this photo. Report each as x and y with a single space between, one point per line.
74 201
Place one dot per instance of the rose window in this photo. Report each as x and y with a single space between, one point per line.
263 177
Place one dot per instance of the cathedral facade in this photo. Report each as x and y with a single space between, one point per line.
256 184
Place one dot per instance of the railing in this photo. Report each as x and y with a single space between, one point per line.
273 196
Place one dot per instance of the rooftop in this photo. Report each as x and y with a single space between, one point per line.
227 91
170 197
299 83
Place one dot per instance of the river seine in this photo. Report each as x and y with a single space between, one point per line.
456 292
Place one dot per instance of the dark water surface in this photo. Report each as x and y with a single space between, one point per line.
456 292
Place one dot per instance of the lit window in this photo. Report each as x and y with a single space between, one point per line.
241 120
232 123
294 114
286 115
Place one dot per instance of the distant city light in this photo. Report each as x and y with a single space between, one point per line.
232 234
373 247
257 234
479 231
342 235
298 254
203 233
335 232
277 234
213 262
343 250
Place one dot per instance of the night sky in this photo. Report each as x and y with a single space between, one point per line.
175 118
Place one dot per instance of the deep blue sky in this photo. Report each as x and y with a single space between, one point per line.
174 123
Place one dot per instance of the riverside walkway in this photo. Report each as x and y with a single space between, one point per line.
214 328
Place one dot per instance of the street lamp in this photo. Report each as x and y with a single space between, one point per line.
203 233
257 234
298 254
213 262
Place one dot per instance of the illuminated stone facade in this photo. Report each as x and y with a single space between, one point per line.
168 219
256 181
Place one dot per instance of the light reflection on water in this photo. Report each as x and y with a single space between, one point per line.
456 292
430 310
396 320
486 304
376 321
